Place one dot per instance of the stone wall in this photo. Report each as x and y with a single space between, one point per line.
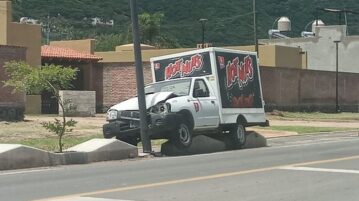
12 105
309 90
78 103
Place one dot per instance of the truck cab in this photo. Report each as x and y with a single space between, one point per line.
175 108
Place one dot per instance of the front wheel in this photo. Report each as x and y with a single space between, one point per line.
238 135
182 135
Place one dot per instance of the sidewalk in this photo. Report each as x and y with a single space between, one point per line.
272 133
340 124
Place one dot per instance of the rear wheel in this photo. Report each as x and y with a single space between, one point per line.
182 135
238 135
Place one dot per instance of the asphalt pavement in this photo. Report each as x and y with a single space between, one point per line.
310 167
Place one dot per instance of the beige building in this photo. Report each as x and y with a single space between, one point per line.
321 49
270 55
17 34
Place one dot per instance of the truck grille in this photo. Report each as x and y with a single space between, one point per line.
130 114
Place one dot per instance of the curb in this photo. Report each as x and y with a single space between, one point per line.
15 156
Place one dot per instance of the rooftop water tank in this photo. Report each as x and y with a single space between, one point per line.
284 24
317 23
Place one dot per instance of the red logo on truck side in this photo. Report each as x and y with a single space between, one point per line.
196 106
243 101
184 68
240 72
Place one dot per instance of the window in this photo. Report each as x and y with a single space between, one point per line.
200 89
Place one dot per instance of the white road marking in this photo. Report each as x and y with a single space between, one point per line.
26 171
86 199
320 170
197 179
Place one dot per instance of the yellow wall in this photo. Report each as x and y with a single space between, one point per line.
288 57
5 17
266 53
129 47
269 55
23 35
28 36
86 46
305 60
33 104
128 56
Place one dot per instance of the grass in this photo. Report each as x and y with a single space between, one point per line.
51 143
316 116
306 129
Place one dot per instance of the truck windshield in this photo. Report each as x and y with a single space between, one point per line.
178 87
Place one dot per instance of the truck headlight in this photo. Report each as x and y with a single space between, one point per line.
111 115
161 108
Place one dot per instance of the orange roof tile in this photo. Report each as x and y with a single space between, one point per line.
48 51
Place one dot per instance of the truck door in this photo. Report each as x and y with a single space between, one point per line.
206 105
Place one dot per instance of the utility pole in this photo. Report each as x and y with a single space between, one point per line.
203 22
146 142
337 109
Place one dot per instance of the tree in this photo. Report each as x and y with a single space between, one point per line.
150 27
108 42
34 80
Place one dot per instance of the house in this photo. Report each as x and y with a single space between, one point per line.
79 56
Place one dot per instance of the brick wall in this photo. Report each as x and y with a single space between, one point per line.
283 88
117 83
98 85
11 105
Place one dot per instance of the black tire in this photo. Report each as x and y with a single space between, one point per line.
130 140
238 135
182 135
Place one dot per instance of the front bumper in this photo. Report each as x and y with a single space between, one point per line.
159 126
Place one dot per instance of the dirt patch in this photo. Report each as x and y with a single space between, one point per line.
31 128
92 126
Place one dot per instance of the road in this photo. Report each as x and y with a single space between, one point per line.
311 168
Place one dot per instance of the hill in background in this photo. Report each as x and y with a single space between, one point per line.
230 22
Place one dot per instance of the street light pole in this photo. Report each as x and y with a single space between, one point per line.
203 22
146 142
255 27
337 109
48 30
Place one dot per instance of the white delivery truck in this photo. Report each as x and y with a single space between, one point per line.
206 91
